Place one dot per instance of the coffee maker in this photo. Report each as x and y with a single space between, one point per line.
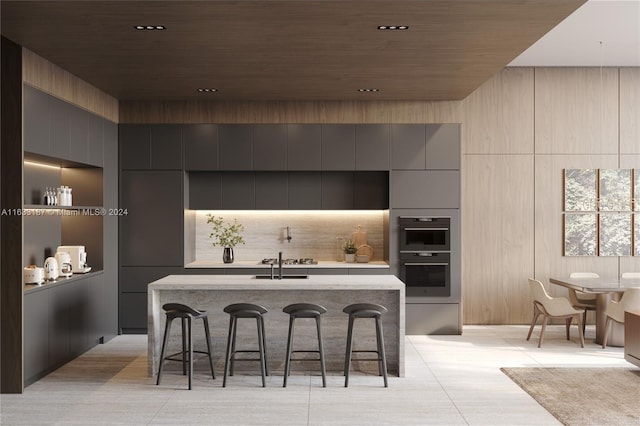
78 258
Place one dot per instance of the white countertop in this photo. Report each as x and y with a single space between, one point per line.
249 282
258 264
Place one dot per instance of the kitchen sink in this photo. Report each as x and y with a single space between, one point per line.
284 277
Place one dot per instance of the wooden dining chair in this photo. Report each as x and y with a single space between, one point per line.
552 307
630 301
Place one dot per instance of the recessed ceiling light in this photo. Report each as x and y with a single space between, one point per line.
206 89
393 27
367 90
149 27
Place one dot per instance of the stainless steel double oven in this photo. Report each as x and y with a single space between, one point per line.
425 255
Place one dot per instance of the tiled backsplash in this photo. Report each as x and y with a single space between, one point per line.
315 234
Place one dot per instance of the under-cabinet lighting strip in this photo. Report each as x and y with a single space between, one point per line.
50 166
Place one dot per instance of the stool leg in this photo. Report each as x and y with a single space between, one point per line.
264 346
287 362
261 349
228 355
167 327
184 348
380 339
321 351
233 345
190 351
347 358
207 334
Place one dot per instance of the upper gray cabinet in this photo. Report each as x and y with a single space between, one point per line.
338 147
269 147
337 191
443 146
95 139
372 146
150 147
36 121
408 147
59 112
304 147
200 147
235 147
78 135
436 189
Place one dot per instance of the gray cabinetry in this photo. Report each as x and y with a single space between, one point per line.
238 191
304 147
200 146
59 112
36 335
439 189
151 232
166 146
338 147
432 318
408 147
95 140
443 146
235 147
205 190
135 147
272 191
305 191
269 147
337 191
36 121
78 135
372 147
371 191
133 313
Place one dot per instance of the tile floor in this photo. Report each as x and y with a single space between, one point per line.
450 380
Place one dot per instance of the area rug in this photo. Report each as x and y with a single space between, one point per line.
584 396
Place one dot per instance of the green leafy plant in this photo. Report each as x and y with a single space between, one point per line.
225 234
349 247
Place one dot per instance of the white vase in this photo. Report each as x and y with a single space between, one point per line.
350 257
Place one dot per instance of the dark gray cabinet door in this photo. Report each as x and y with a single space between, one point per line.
205 190
443 146
166 146
436 189
238 191
59 300
151 233
200 147
95 142
59 112
96 310
134 279
235 147
408 146
338 147
305 191
36 334
371 191
36 121
304 147
78 135
272 192
269 147
133 312
337 191
77 297
372 146
135 147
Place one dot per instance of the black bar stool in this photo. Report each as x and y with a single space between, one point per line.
304 310
366 310
186 314
245 310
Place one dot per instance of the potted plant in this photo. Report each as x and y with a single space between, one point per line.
350 250
226 235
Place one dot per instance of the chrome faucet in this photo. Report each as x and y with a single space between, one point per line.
279 265
288 234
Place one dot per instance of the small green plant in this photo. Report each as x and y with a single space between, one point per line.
349 247
225 234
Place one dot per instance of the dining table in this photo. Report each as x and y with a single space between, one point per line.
605 289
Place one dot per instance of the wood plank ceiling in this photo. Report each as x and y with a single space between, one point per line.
283 50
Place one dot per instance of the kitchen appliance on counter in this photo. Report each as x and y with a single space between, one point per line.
33 275
78 258
51 271
64 263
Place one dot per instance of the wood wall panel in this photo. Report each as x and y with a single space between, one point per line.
498 116
576 110
548 225
630 110
48 77
631 263
290 112
497 238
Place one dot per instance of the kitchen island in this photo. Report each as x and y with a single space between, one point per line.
213 292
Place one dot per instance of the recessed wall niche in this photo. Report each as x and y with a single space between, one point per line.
598 212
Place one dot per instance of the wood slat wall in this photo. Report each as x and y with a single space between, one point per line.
50 78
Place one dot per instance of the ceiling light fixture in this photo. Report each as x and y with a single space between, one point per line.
393 27
367 90
206 89
149 27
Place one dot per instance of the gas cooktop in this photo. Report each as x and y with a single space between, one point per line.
302 261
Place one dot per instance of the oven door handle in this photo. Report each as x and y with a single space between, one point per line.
424 264
425 229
